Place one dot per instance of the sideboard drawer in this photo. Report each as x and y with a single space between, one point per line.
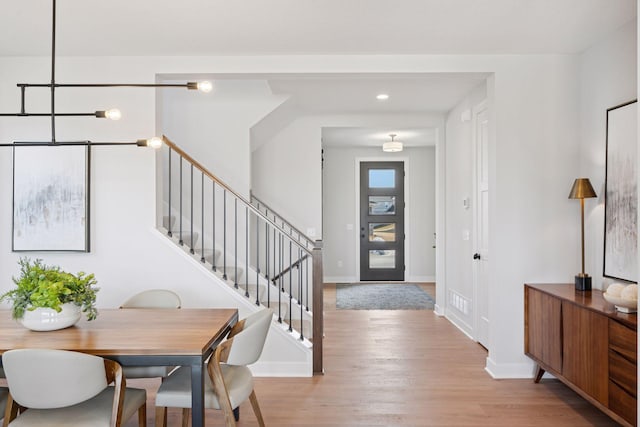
622 372
622 403
623 340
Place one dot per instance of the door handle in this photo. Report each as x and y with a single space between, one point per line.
476 256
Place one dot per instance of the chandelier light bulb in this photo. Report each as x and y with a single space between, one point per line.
205 86
113 114
155 142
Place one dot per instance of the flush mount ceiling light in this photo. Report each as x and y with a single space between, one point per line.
113 114
382 96
392 146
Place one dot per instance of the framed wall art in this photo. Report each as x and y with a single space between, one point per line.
50 198
621 194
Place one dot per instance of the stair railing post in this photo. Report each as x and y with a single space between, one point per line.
318 307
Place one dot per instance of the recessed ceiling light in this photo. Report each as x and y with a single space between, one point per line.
382 96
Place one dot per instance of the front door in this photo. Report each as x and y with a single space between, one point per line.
382 221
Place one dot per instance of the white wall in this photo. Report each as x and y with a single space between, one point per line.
341 245
127 253
459 220
214 127
533 148
295 151
608 72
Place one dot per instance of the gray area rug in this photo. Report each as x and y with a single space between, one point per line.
378 296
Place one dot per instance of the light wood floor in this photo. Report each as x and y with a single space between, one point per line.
403 368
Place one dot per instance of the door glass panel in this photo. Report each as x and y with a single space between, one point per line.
382 205
382 232
382 178
382 258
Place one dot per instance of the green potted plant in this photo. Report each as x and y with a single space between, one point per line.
47 298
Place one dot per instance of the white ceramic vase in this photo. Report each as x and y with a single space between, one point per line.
47 319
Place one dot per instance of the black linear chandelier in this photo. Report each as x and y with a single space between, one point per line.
113 114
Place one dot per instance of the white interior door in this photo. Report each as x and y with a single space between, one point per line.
481 223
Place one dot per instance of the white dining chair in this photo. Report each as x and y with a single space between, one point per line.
151 298
67 388
230 382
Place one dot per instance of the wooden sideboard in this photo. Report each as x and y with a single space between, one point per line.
582 340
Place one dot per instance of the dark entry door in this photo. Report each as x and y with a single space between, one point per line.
382 221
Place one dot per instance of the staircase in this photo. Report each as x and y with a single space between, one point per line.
246 246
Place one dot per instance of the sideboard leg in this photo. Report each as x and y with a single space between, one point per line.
539 373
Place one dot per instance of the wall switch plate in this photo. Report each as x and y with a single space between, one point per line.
349 227
466 235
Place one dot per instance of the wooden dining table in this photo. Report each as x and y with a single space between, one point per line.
137 337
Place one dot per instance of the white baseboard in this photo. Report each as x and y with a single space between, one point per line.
353 279
437 309
274 369
421 279
339 279
459 323
510 370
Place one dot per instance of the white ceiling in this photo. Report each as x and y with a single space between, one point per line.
356 93
289 27
375 137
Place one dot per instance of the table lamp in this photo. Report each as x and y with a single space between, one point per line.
582 189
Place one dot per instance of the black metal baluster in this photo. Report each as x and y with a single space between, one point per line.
306 263
300 292
202 215
235 237
169 231
268 282
266 250
280 256
274 256
213 223
257 259
290 285
224 234
246 247
191 213
180 238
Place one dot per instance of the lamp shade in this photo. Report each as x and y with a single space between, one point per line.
582 189
392 146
